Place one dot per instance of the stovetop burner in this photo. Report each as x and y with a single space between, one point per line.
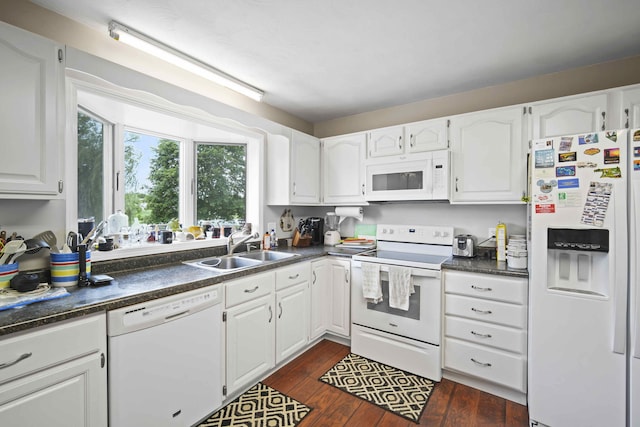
411 246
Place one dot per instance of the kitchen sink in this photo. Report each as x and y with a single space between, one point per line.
229 263
266 255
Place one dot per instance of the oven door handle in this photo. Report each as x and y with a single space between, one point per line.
418 272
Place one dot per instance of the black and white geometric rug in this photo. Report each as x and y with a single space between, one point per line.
392 389
260 406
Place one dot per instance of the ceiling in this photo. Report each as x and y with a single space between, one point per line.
320 60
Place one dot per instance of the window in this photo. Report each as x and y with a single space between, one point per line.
91 135
151 178
158 165
221 182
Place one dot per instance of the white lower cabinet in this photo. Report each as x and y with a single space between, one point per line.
319 298
292 306
55 376
339 297
250 329
485 332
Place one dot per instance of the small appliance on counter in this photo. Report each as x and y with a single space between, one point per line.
332 235
464 245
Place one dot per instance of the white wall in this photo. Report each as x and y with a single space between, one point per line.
466 219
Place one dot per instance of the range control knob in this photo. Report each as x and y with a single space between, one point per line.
436 233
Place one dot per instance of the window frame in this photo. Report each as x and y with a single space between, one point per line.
254 140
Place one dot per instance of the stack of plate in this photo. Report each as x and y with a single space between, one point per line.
517 251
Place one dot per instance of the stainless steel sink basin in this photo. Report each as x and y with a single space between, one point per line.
229 263
266 255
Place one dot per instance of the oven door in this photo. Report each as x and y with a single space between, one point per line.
422 320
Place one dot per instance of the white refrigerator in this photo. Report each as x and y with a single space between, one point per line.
584 336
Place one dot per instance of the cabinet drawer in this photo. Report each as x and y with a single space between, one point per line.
488 286
486 310
288 276
252 287
484 362
35 350
501 337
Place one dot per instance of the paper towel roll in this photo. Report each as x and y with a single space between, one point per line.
350 212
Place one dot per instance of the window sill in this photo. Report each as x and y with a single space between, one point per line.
155 248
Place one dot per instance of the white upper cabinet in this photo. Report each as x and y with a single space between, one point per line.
488 157
293 169
427 135
343 169
569 116
630 108
385 142
31 110
416 137
305 169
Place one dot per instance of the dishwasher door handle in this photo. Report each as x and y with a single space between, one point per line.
173 316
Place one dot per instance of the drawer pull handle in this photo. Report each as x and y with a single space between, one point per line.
479 335
294 277
250 291
480 311
484 365
478 288
18 360
393 324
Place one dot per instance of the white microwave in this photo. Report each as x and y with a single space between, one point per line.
423 176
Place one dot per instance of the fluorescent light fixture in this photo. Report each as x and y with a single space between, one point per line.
160 50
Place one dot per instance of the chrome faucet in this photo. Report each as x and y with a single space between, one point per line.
231 245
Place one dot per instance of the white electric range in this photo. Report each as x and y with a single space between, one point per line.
407 339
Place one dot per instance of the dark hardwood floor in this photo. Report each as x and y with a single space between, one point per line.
451 404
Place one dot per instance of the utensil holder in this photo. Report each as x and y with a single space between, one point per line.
65 269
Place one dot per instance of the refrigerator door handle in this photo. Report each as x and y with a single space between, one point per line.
634 306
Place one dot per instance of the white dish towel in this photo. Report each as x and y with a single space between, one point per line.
371 287
400 287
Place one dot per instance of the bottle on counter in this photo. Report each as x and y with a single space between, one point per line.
266 241
501 241
274 239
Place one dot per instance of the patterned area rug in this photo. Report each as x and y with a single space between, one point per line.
397 391
260 406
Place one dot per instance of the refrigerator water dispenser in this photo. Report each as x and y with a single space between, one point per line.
577 260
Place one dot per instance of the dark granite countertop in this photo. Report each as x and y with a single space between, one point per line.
483 265
137 280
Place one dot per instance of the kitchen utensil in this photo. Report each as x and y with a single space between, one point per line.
82 265
34 245
11 248
50 238
72 241
331 238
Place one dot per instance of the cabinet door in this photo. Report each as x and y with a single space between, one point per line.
250 341
339 297
426 136
305 168
31 81
488 159
631 108
569 116
319 298
385 142
292 323
343 171
73 394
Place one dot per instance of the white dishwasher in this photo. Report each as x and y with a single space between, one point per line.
165 360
